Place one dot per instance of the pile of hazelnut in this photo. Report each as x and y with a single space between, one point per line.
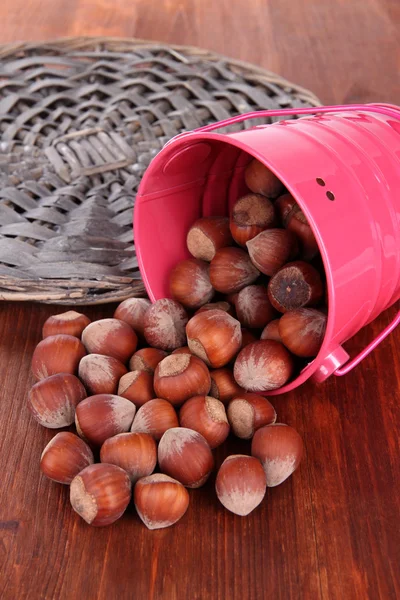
198 374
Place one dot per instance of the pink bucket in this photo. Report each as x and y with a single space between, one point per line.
341 164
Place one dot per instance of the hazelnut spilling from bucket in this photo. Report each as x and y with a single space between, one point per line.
149 394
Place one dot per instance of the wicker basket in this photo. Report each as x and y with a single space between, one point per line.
80 119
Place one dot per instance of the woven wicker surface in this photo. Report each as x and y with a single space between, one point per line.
80 120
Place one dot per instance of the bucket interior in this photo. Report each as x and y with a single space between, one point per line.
202 179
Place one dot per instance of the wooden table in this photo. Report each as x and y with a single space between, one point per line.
332 530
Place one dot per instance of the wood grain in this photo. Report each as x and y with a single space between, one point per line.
330 532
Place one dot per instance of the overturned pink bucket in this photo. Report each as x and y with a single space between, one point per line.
341 164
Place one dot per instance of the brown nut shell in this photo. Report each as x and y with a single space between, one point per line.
302 331
250 215
298 224
271 249
207 235
185 455
263 366
296 285
57 354
164 324
67 323
160 501
146 359
137 386
53 401
223 385
100 494
253 308
102 416
280 450
132 311
111 337
240 484
64 457
183 350
217 306
214 336
271 331
181 376
100 374
231 270
207 416
189 283
261 180
136 453
155 418
248 412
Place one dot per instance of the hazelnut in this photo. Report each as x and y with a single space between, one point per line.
132 311
207 416
240 484
100 494
183 350
185 455
223 385
181 376
207 235
231 298
100 417
225 306
100 374
231 270
57 354
253 307
261 180
280 449
248 337
68 323
302 331
146 359
137 386
248 412
284 206
136 453
298 224
296 285
154 418
53 401
251 215
271 249
271 331
190 284
214 336
164 324
64 457
160 501
111 337
262 366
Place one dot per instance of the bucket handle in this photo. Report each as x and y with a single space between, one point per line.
385 109
349 366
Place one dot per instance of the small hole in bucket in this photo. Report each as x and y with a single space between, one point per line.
320 181
330 195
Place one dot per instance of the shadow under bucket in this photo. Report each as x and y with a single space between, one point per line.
342 166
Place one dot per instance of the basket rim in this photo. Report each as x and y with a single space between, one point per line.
80 42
